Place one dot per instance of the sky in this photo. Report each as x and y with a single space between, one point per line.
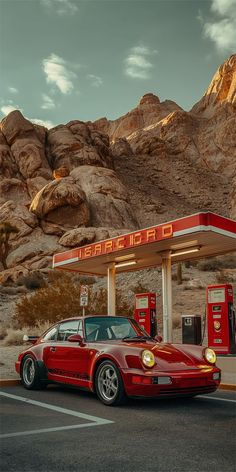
63 60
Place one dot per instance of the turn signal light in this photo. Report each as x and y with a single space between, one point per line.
139 379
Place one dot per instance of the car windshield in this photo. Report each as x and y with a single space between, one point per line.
101 328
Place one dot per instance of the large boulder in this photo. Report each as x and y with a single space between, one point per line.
8 167
76 144
13 189
120 147
26 146
107 196
62 202
20 217
33 249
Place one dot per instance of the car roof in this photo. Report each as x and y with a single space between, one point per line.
90 316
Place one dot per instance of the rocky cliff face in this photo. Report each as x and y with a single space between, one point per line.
155 163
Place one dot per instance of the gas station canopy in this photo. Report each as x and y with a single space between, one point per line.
192 237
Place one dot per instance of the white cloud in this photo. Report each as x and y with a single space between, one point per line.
13 90
96 81
6 109
57 73
223 7
221 28
48 103
137 65
61 7
45 123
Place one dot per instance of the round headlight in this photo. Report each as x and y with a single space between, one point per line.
148 358
210 355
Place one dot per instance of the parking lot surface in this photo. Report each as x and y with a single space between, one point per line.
67 430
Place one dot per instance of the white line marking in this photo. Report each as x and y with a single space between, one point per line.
94 420
50 430
216 398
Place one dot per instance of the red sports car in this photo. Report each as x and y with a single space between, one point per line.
115 358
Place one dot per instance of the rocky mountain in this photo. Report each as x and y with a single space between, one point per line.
81 182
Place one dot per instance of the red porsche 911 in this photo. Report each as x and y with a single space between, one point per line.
115 358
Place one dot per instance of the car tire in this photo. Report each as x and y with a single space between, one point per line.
30 376
109 384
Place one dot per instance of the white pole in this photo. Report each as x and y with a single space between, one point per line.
167 297
111 290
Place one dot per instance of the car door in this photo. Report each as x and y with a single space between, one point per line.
67 362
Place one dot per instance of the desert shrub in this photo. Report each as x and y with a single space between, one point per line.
56 301
217 263
34 280
139 288
3 331
60 300
224 277
190 263
211 264
98 304
14 337
176 321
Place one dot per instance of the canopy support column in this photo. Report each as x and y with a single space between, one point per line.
167 297
111 290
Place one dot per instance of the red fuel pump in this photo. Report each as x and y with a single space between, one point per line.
221 319
145 312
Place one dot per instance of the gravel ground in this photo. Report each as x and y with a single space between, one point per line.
8 357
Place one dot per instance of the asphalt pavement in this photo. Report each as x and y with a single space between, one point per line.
66 430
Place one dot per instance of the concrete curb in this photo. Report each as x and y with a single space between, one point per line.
9 382
13 382
227 387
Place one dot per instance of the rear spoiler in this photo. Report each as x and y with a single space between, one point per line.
30 339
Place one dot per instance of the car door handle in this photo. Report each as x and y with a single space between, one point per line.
53 349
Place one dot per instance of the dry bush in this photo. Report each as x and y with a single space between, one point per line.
139 288
9 290
217 263
3 331
194 284
176 321
61 299
34 280
224 277
14 337
98 304
51 303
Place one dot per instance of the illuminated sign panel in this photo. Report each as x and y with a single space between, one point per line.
125 242
141 302
216 295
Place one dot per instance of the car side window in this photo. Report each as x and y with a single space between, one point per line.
51 335
67 329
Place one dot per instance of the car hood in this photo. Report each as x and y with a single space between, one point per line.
167 356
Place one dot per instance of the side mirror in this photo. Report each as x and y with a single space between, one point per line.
158 338
75 338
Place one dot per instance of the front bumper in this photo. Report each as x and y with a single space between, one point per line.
191 382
